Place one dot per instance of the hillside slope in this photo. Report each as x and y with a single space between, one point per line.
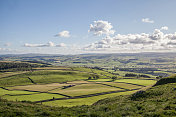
160 100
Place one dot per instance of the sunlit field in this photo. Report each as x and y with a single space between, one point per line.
66 86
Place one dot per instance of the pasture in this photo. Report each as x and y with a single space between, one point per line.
137 81
32 97
85 89
66 86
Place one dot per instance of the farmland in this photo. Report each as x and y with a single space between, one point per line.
66 86
63 89
79 79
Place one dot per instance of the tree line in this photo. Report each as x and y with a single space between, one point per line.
16 66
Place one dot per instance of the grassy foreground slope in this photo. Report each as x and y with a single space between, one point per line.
158 101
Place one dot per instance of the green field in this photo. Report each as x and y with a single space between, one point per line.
6 74
85 89
84 101
44 87
101 73
90 85
137 81
33 97
13 92
122 85
44 77
66 86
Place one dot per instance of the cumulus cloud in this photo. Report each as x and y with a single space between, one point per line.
101 27
7 44
64 34
155 41
157 35
4 49
7 50
61 45
147 20
164 28
49 44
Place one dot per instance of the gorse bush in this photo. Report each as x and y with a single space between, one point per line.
171 79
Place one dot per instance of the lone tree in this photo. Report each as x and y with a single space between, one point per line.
97 77
130 75
114 78
89 78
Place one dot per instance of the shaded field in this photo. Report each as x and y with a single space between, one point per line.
43 77
122 73
52 68
7 74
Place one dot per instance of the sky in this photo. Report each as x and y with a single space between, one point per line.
87 26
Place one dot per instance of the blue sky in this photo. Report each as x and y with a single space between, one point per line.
37 26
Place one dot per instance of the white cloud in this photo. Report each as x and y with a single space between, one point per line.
64 34
7 44
3 49
147 20
136 42
61 45
49 44
164 28
101 27
6 50
157 35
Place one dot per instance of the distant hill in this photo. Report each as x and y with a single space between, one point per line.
97 54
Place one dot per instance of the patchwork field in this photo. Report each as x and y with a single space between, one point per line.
43 77
122 85
84 101
85 89
13 92
32 97
44 88
137 81
66 86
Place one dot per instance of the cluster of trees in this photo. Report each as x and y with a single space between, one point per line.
99 68
140 70
43 64
114 78
16 66
135 75
94 77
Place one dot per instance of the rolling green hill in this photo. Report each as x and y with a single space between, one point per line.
157 101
